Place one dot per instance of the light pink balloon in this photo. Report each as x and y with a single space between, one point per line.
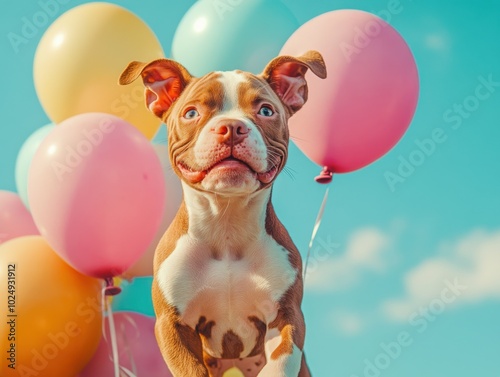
136 346
15 220
367 101
97 193
144 266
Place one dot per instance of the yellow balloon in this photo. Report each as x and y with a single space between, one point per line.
233 372
50 315
80 58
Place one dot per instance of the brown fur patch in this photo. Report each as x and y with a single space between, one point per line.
261 336
232 346
206 94
204 328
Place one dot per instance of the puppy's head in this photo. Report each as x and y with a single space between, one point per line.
227 131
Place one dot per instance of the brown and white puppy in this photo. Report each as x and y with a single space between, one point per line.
227 277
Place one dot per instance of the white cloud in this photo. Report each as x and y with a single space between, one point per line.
348 323
472 262
366 248
366 251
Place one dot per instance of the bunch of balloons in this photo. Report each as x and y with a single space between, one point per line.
96 195
91 205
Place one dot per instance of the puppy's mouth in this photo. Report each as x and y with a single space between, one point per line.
228 165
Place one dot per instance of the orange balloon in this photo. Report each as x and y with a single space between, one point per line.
51 316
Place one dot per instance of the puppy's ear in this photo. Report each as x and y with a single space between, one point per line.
286 75
164 80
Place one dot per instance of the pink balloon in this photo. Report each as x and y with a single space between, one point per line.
136 346
367 102
97 193
15 220
144 266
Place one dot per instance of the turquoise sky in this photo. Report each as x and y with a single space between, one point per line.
416 262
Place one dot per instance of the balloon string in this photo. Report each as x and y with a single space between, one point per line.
107 308
127 341
315 230
112 332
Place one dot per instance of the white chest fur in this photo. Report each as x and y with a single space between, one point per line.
226 268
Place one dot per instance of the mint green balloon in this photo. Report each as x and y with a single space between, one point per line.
24 158
223 35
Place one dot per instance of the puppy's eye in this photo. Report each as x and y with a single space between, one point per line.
266 111
191 114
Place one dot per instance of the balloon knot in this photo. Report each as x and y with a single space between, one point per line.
111 289
325 176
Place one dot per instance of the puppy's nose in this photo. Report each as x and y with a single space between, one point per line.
232 132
